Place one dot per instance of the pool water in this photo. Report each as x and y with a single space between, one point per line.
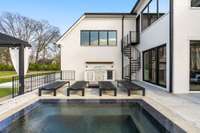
87 118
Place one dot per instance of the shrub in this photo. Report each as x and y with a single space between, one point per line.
44 67
33 67
4 67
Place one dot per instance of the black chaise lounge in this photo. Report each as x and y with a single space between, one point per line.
53 87
131 87
78 86
106 86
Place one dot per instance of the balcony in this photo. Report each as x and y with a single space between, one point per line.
132 38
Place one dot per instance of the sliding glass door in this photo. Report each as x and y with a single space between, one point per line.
162 66
154 65
195 65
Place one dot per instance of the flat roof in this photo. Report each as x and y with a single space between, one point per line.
9 41
107 13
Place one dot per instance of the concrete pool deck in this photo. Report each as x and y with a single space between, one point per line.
183 110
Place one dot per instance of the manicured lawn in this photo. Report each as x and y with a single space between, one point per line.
4 80
7 73
5 92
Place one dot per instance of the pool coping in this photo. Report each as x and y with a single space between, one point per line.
147 104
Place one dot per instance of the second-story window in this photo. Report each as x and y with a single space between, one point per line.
98 38
103 38
85 38
195 3
153 11
112 38
94 38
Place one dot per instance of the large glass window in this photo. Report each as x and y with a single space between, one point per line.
195 3
153 64
103 38
112 37
195 65
94 36
154 69
146 67
162 66
98 38
85 38
153 11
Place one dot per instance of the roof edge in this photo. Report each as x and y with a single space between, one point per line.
76 22
135 6
92 13
108 13
11 40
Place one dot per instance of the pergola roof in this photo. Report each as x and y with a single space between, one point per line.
9 41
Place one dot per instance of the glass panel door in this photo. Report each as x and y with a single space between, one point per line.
195 66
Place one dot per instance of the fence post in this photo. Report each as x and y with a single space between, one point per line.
13 87
54 77
61 75
31 83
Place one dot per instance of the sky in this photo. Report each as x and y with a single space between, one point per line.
63 13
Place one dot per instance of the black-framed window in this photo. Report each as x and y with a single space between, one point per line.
99 38
195 65
109 75
153 11
94 36
146 66
195 3
85 38
162 65
154 65
103 38
112 38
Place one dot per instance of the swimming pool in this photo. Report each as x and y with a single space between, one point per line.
90 116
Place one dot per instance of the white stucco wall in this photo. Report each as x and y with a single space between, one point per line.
186 28
155 35
74 56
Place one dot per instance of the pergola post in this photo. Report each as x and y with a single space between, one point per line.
21 69
12 42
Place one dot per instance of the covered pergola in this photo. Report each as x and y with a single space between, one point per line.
12 42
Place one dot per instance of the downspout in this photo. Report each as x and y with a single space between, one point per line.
171 50
122 44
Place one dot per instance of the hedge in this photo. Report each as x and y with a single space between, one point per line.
6 67
33 67
44 67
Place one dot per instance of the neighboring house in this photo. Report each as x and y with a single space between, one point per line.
158 43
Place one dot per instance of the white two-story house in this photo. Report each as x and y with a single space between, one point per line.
158 43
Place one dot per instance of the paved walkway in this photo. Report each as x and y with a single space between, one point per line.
6 85
187 106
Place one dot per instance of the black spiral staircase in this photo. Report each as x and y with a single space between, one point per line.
131 56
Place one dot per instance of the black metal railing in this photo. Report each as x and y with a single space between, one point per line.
131 65
35 81
126 72
131 38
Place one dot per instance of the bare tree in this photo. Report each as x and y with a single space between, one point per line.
46 35
4 56
40 34
18 26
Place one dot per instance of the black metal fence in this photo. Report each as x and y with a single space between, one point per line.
35 81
